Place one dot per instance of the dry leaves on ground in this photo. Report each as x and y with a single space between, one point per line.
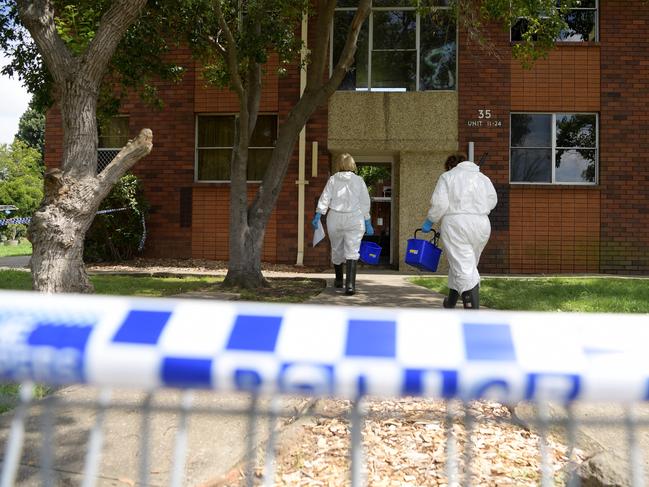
404 445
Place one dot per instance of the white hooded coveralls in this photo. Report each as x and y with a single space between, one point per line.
462 200
349 201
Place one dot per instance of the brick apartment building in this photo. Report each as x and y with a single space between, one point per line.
564 142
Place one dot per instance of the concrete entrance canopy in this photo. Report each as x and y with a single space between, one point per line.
417 130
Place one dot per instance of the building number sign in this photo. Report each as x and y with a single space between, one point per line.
484 118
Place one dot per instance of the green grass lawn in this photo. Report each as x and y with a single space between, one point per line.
23 248
603 295
121 285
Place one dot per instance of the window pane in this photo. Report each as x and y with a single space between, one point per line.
356 77
438 54
585 4
581 26
576 130
575 165
393 3
216 131
531 130
394 70
214 164
347 3
258 160
531 165
113 133
265 132
519 28
395 29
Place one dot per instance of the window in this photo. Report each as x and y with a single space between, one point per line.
214 142
556 148
581 20
399 47
113 136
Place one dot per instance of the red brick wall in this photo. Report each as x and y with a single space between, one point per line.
287 206
568 80
554 230
168 168
484 84
211 223
624 121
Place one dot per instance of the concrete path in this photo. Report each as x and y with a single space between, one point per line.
217 442
21 261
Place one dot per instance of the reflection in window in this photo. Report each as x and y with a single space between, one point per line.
581 20
394 57
553 148
214 143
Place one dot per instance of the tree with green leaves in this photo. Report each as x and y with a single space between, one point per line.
21 181
83 54
75 75
31 129
235 46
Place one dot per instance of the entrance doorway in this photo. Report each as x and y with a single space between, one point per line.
379 178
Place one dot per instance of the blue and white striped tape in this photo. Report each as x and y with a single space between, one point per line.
150 343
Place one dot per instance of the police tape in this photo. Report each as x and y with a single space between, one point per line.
27 220
320 350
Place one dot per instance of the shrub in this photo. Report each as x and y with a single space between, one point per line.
116 236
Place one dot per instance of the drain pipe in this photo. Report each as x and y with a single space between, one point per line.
471 152
301 181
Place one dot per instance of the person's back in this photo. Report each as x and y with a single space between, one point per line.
469 191
347 193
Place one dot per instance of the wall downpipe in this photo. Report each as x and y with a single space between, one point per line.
301 182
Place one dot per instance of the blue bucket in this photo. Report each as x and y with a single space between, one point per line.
423 254
370 252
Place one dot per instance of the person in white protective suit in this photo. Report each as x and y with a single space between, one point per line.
462 199
347 200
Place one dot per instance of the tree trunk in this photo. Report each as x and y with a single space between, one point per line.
244 270
57 234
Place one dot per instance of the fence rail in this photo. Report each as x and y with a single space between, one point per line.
417 369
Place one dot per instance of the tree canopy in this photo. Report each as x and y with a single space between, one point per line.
21 177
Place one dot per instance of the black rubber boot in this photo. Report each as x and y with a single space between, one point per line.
451 300
471 298
338 282
350 278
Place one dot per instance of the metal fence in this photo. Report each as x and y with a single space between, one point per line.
179 392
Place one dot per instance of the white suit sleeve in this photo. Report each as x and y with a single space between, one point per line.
439 201
364 199
492 197
325 197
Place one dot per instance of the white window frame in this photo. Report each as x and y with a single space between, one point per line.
553 150
196 148
370 48
559 41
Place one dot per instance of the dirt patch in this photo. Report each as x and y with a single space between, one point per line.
189 265
284 290
405 445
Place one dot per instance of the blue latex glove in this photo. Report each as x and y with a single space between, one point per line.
316 219
427 226
368 227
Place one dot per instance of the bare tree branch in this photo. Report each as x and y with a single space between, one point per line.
319 55
231 48
316 93
135 150
38 17
114 24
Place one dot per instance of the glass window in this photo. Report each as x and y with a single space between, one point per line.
113 136
581 19
553 148
214 142
400 48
